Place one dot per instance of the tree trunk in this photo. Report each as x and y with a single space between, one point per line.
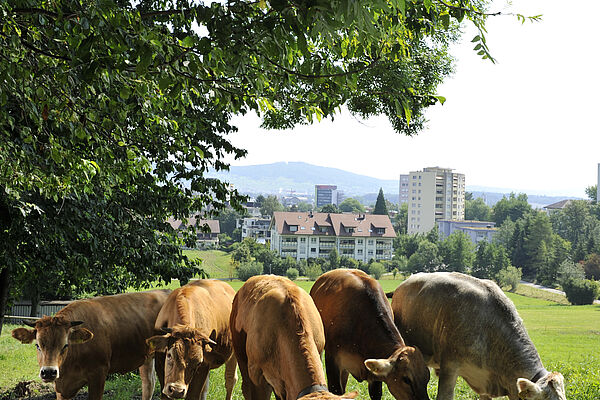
35 302
5 223
4 285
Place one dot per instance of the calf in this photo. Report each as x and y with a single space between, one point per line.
467 327
278 338
195 319
361 338
89 339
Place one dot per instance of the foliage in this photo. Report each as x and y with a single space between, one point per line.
457 252
400 220
380 206
228 219
592 266
490 259
249 269
268 258
241 253
511 207
581 291
406 245
577 224
509 276
270 205
395 272
425 259
313 272
351 205
569 271
592 193
348 262
304 207
330 208
377 270
477 210
334 259
292 273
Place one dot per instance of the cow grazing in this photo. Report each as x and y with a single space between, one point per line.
278 338
467 327
89 339
195 319
361 338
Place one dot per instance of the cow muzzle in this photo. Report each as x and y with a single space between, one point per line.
175 390
49 374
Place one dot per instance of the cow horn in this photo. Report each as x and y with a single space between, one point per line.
210 341
29 323
76 323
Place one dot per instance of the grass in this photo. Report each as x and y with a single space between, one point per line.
567 338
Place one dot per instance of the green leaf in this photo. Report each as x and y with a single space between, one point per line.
125 92
441 99
164 82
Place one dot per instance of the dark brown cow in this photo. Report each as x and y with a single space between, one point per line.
278 338
89 339
361 338
468 327
196 317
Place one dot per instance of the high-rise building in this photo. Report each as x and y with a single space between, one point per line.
434 194
403 194
327 194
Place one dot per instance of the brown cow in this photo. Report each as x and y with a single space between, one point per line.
89 339
468 327
361 338
196 317
278 338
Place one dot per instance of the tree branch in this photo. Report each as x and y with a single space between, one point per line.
32 47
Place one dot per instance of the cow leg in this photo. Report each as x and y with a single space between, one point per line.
198 388
446 384
230 376
159 363
334 376
96 386
250 390
375 390
148 378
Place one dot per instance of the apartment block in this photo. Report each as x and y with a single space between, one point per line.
477 231
257 228
303 235
434 194
403 193
327 194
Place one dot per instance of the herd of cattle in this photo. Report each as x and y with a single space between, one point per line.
276 332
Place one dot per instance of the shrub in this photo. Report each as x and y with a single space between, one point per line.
292 273
376 269
313 272
580 291
249 269
569 271
509 276
395 272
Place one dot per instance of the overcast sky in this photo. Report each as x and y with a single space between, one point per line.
527 123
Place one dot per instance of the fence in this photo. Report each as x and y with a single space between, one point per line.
21 310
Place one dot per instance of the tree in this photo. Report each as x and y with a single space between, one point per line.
457 252
592 193
351 205
334 259
270 205
425 259
129 104
400 220
380 207
490 258
330 208
228 220
377 270
511 207
477 210
304 207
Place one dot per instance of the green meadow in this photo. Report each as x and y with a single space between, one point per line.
567 338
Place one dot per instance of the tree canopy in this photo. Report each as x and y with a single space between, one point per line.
351 205
380 206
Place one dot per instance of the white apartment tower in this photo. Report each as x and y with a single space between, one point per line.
404 190
434 193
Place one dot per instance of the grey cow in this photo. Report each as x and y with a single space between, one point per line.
467 327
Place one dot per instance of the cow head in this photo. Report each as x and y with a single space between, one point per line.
404 372
328 396
185 350
53 337
549 387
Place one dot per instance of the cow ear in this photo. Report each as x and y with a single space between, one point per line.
79 336
157 343
527 389
24 335
379 367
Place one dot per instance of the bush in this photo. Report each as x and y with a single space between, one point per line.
580 291
313 272
249 269
509 276
292 273
569 271
376 269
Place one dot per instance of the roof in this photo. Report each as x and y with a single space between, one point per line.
213 224
328 224
558 205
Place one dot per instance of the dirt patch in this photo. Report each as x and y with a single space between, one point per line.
33 390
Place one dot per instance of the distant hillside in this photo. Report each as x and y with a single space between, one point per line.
299 177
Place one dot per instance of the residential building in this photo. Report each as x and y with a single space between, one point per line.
304 235
476 230
558 206
327 194
203 239
434 194
257 228
404 180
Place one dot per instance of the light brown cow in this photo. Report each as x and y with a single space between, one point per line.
89 339
278 338
361 338
196 317
468 327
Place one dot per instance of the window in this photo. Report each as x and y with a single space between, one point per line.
359 241
313 249
380 231
370 242
293 228
359 252
313 240
302 240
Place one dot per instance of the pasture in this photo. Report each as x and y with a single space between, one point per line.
567 338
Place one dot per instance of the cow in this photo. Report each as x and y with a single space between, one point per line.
361 338
89 339
195 319
468 327
278 339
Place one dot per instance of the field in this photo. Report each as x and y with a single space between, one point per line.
567 338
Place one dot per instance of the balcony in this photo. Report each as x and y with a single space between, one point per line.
326 245
346 246
289 245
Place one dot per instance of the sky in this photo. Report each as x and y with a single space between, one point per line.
526 124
